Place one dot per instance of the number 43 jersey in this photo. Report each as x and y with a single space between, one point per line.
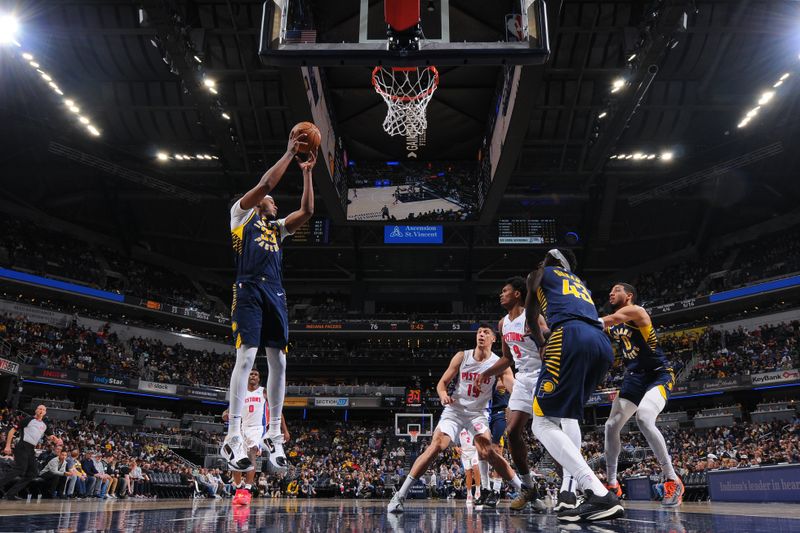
563 296
472 395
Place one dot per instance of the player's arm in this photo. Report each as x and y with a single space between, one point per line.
301 216
532 310
507 378
447 377
502 364
285 429
629 313
272 176
9 440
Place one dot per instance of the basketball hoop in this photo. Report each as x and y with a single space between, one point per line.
414 433
406 91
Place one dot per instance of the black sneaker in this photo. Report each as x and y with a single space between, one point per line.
490 501
591 508
481 501
566 500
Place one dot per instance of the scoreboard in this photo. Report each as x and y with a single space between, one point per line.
526 231
315 231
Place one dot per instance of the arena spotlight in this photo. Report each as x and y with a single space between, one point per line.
601 115
162 156
83 120
226 116
667 156
766 97
94 131
631 58
28 57
8 29
618 84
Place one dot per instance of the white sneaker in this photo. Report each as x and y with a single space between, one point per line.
276 459
396 505
234 452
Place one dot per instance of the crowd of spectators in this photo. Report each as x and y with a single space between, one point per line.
742 352
742 445
49 253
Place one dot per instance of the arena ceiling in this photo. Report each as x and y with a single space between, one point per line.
109 56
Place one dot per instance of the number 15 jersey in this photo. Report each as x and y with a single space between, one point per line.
472 395
563 296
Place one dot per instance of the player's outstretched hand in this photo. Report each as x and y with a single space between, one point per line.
445 399
295 143
308 164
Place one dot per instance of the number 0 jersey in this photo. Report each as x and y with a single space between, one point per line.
472 396
563 296
639 346
255 413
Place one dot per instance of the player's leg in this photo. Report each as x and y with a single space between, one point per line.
486 452
651 405
518 447
468 478
477 474
442 437
577 358
276 338
621 411
567 496
246 315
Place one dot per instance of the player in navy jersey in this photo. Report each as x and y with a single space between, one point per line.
259 315
577 357
646 387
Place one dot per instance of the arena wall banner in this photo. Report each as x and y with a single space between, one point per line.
202 393
638 488
9 367
732 382
760 484
107 380
600 397
153 386
331 402
779 376
56 374
295 401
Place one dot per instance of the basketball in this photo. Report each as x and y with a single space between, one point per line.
312 133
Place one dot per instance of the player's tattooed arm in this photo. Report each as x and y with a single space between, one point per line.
447 377
629 313
532 310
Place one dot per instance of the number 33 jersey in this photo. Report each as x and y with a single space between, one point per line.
563 296
473 395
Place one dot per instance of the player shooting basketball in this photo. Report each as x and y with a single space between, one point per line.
259 312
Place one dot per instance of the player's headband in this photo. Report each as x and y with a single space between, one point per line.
556 254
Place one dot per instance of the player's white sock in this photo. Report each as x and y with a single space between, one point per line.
527 480
516 482
245 357
248 486
406 485
621 411
646 415
276 390
572 428
483 466
497 485
547 430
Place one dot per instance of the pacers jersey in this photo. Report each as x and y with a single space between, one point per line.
500 396
563 296
257 245
255 409
471 395
466 441
523 349
639 347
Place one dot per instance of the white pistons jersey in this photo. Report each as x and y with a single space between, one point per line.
523 349
472 396
466 441
255 409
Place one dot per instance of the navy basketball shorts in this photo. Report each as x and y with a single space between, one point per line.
497 425
259 315
636 384
576 359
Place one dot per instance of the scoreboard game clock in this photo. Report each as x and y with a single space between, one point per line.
526 231
413 398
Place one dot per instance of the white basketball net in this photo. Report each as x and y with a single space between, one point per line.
406 91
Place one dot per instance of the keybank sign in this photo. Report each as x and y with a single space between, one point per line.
413 235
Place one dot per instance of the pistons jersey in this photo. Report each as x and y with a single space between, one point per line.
473 395
466 441
523 349
255 409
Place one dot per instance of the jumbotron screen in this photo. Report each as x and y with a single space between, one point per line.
526 231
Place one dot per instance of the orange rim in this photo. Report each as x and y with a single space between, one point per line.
397 98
